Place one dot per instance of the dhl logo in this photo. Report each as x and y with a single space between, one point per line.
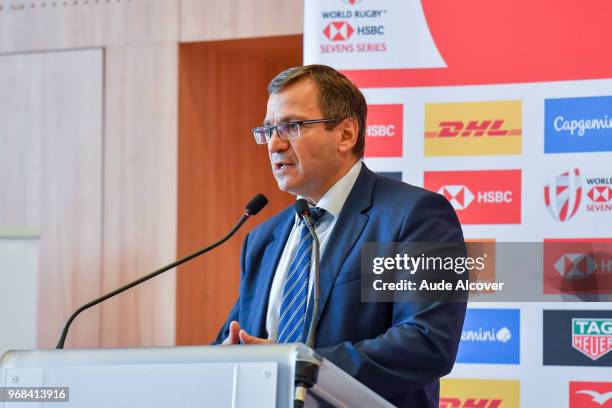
476 393
473 128
469 403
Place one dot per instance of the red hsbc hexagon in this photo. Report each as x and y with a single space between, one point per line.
458 195
600 194
480 196
338 31
577 265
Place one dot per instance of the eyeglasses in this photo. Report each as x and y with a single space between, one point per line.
286 131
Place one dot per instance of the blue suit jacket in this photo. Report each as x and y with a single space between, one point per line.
399 350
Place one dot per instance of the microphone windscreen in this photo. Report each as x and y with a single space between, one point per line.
256 204
301 207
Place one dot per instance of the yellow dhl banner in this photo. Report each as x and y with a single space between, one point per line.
473 128
464 393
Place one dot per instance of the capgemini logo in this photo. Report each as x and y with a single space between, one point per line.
503 335
562 195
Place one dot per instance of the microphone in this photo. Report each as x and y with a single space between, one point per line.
303 211
253 207
301 208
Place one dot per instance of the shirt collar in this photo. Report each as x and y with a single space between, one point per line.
333 200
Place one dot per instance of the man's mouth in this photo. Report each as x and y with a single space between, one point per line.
282 165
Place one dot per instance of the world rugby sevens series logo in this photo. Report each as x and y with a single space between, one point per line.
562 195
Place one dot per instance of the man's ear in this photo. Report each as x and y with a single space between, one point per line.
349 129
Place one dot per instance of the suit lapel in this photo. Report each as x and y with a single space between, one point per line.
346 233
271 257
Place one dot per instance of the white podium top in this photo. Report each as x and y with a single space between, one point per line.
195 376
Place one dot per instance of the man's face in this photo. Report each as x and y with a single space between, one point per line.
309 164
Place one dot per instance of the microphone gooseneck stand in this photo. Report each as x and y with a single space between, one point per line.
252 208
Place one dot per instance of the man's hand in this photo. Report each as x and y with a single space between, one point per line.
238 336
232 337
246 338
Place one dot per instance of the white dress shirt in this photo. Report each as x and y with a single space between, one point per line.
332 201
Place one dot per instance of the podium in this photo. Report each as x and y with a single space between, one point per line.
193 376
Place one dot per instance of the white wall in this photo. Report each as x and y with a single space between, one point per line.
18 292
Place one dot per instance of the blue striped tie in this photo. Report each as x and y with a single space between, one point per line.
295 291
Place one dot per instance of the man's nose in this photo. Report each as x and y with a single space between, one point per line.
276 144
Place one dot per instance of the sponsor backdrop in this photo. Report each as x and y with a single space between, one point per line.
505 111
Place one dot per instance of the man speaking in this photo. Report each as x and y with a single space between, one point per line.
315 133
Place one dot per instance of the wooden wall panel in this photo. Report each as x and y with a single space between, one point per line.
51 180
27 25
222 95
140 193
205 20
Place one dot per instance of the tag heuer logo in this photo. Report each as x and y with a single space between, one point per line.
592 337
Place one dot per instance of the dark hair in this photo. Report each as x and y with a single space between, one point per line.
339 98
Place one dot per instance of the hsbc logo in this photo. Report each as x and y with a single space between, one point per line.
461 197
578 265
575 266
562 195
495 197
380 130
351 2
480 197
473 128
590 394
599 194
384 130
338 31
446 402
